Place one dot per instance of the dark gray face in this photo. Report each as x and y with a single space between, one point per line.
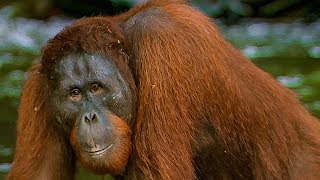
88 90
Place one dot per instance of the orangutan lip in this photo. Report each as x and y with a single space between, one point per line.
100 151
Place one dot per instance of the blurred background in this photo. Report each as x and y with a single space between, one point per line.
280 36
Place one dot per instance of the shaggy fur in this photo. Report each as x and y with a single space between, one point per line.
203 110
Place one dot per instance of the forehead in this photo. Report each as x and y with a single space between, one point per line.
85 65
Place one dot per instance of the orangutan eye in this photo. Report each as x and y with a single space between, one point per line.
75 92
98 89
95 87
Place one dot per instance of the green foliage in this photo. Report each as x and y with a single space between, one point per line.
129 3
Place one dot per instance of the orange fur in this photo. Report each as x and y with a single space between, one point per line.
207 111
203 110
38 138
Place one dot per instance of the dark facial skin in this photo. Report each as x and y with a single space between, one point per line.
88 92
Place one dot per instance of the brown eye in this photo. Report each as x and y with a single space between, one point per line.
75 92
95 87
